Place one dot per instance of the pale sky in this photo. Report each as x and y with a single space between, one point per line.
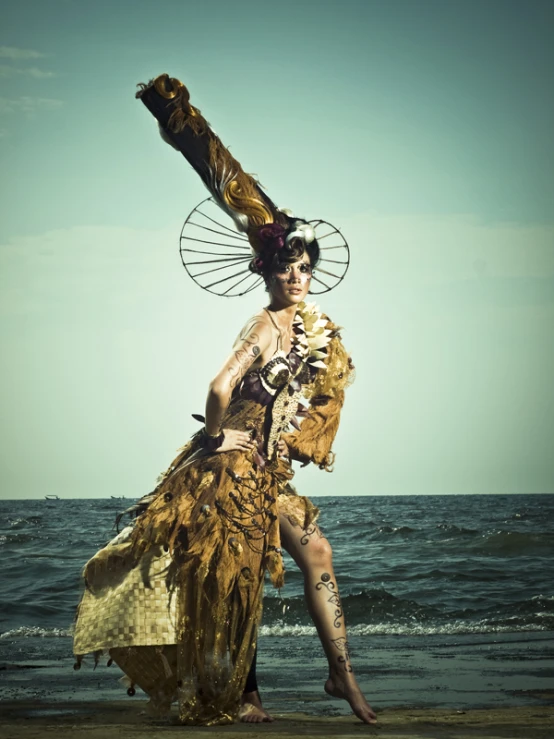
422 128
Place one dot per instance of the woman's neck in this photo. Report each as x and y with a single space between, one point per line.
284 315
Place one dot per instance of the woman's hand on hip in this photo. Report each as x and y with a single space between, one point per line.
236 441
282 448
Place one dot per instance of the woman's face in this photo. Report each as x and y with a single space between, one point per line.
289 284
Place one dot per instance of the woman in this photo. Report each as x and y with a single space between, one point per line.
177 598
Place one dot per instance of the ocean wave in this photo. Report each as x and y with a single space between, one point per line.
381 606
17 523
281 629
519 516
402 629
35 631
377 604
472 575
530 605
17 538
454 530
397 530
516 542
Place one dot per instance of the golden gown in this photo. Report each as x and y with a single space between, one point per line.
176 599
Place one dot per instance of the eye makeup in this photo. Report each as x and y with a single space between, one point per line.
305 268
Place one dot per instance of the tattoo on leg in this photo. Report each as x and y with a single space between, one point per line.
334 599
344 658
312 529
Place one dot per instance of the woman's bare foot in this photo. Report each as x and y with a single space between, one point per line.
347 688
251 710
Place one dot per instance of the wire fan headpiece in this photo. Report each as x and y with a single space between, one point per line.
217 257
217 237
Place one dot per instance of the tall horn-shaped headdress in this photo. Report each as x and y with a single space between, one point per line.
224 260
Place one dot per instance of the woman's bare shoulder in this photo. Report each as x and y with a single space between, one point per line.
260 317
257 328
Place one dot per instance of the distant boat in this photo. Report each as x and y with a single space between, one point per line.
52 497
117 497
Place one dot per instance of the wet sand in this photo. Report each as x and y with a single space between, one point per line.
477 686
97 720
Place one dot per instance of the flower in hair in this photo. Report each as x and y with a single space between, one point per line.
258 264
272 236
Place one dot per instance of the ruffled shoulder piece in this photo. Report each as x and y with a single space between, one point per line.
317 339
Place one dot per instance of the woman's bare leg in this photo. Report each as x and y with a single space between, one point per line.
312 553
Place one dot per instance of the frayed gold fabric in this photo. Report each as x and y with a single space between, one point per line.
299 510
318 430
178 604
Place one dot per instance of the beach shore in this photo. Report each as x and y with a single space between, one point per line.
96 720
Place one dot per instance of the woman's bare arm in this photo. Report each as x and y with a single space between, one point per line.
253 341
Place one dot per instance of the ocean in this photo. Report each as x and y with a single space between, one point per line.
449 600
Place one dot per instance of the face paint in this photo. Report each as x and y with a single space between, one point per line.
300 273
290 283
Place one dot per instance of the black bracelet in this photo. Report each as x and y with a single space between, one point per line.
211 443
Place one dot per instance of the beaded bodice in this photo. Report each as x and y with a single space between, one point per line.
277 385
263 383
276 372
